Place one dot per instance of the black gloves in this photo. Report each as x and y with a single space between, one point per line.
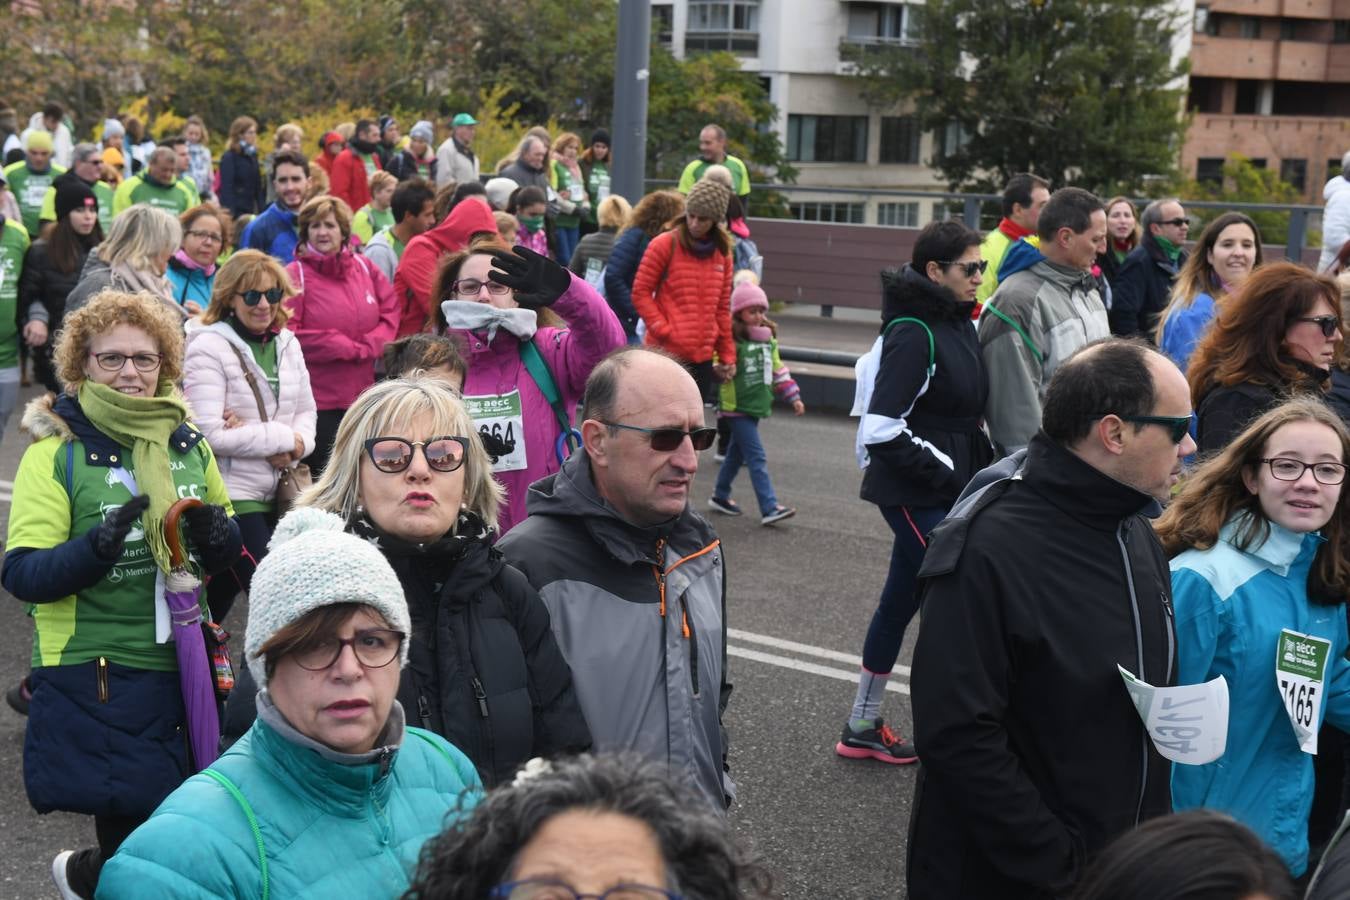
537 280
111 533
213 536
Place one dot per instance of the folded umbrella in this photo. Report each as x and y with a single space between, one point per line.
181 591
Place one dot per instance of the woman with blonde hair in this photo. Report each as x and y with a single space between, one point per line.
376 215
241 182
343 314
86 547
200 167
1278 337
192 268
1259 538
573 203
592 253
409 474
133 258
246 379
1228 251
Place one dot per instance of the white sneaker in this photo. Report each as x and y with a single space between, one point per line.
59 876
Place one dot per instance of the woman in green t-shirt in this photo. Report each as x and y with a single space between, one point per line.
86 549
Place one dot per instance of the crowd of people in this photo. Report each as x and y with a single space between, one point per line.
439 428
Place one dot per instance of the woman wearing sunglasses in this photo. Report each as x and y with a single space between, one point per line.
1277 337
1259 538
331 793
192 269
86 547
920 440
246 379
409 474
506 309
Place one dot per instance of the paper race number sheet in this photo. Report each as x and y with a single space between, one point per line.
1300 674
1189 723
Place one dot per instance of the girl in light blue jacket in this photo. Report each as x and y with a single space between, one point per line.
1260 554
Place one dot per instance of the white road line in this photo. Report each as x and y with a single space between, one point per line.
7 485
794 647
802 666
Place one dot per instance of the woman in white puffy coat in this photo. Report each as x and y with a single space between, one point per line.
241 343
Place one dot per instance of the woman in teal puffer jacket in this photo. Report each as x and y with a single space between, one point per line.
329 793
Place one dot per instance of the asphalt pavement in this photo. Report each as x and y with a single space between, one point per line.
801 595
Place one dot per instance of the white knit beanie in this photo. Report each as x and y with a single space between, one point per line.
312 562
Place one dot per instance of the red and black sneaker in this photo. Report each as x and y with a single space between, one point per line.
877 742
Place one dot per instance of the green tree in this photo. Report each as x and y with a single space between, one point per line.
1246 183
1076 92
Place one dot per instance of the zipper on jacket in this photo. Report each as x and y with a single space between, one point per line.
1139 650
693 645
102 673
424 711
480 695
1169 623
660 574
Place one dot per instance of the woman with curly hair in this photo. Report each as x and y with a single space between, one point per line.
1259 539
86 547
585 826
1277 337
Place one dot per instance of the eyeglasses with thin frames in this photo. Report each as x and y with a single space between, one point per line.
557 889
375 648
470 287
664 440
113 361
1286 468
208 237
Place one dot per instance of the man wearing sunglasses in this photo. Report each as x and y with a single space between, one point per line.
276 231
1142 287
1043 579
633 578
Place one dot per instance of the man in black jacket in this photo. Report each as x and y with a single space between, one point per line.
1044 577
1144 283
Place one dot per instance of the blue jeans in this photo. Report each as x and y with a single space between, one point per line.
746 449
566 239
899 602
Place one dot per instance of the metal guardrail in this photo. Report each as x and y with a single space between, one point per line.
819 357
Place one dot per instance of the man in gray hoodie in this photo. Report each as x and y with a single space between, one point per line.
1046 307
633 578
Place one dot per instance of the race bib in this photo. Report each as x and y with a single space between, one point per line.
500 416
602 190
595 273
1189 723
576 193
34 191
1300 674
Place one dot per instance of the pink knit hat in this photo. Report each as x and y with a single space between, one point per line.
748 296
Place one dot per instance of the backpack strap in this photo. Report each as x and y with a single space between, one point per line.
932 347
251 379
543 378
435 743
238 796
1000 314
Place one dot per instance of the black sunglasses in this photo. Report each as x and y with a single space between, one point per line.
969 269
665 440
253 298
394 454
1328 324
1182 222
1178 426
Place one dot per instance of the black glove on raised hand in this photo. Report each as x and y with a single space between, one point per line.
111 533
213 536
537 280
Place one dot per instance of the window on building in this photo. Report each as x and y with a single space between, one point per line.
1294 171
1204 95
1248 95
1249 27
948 140
828 212
723 25
881 23
663 24
1288 29
1201 19
1340 31
898 215
1333 168
899 140
1258 162
1209 170
827 138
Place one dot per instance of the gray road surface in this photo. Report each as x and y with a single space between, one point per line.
827 827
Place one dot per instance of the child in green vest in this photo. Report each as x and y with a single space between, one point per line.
747 398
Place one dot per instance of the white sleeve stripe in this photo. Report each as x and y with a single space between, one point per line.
876 429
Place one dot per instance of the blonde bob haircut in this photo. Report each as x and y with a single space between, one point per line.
613 211
388 409
248 270
381 179
318 207
1215 493
106 311
140 236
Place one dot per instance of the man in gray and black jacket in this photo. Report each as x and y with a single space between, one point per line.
613 548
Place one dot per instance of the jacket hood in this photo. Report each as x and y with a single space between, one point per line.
1334 186
465 220
93 264
1021 255
905 292
570 493
41 420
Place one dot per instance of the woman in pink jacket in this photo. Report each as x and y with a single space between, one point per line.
240 345
344 314
516 314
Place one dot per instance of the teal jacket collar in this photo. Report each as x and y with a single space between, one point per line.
1280 550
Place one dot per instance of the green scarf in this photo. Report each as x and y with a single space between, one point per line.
1171 250
143 424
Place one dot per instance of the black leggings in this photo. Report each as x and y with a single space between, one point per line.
84 866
